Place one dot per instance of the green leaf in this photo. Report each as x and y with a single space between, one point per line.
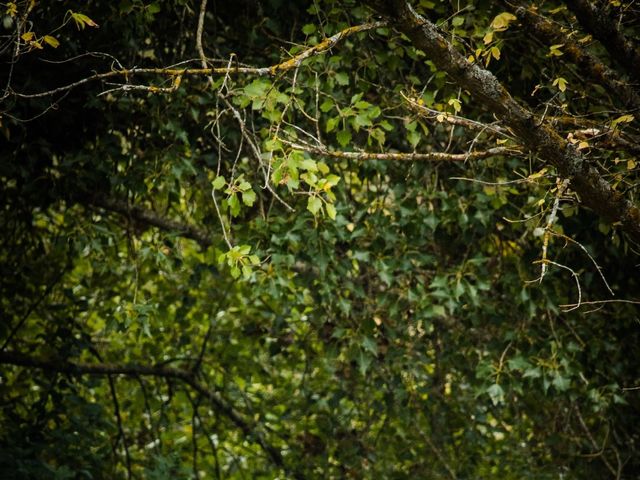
342 78
532 373
327 105
414 138
219 183
363 360
314 204
323 168
362 120
153 8
331 211
561 383
235 272
344 137
370 345
332 180
309 165
248 198
234 205
308 29
257 89
331 123
496 393
518 363
246 271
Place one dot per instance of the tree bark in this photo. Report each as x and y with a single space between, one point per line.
599 23
548 31
536 135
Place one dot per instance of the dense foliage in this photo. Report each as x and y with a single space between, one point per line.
285 239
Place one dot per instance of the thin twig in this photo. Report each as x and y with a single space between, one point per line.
271 71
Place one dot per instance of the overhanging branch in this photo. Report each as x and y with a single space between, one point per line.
539 137
177 73
407 157
603 27
149 217
589 64
249 429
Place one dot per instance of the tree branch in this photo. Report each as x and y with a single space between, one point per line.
407 157
251 431
149 217
598 22
178 73
540 138
544 29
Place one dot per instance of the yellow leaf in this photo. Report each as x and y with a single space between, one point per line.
457 106
622 119
27 36
585 39
12 9
583 145
537 175
502 21
631 164
52 41
554 50
488 38
561 83
82 20
440 117
495 53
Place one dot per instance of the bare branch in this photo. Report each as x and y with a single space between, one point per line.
176 73
600 302
406 157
